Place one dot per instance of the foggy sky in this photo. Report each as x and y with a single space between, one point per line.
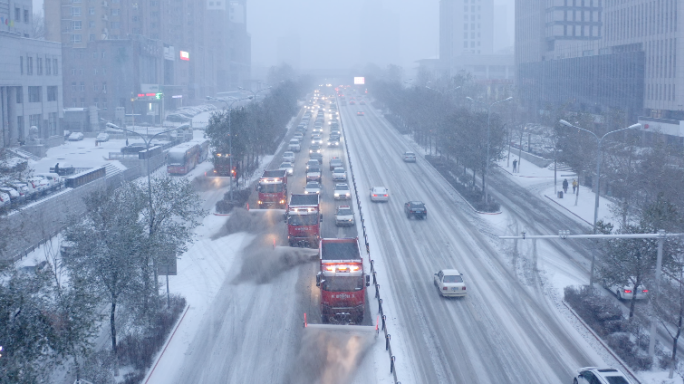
343 33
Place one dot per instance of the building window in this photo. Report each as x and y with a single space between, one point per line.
91 37
54 67
17 14
115 12
74 87
21 65
26 16
29 65
91 24
82 86
48 67
52 93
78 25
52 123
75 38
34 94
39 66
104 86
76 11
20 95
91 10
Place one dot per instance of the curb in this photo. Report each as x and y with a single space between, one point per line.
565 208
168 341
608 349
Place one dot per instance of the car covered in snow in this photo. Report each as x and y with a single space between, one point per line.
449 283
312 187
339 174
378 194
76 136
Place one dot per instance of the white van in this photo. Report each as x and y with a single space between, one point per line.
53 179
294 145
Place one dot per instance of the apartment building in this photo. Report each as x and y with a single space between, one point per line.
30 90
601 55
466 45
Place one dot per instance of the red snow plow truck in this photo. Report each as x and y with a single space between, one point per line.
272 188
342 281
304 221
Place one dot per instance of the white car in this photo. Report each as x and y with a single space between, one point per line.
75 136
289 156
409 157
450 283
625 291
339 174
299 136
379 194
313 174
294 145
344 216
312 187
12 193
287 167
5 201
342 191
40 184
316 139
102 137
53 179
593 375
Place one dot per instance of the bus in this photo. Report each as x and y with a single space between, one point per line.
204 149
183 158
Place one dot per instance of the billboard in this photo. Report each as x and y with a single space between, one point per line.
359 80
184 55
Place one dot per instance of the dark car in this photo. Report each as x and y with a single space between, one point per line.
316 156
335 162
415 209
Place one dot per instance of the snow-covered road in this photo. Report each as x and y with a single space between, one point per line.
507 329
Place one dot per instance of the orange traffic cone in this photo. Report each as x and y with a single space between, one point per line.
247 206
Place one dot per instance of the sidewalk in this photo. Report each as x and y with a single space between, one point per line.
539 181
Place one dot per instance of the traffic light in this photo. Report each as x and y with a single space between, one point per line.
159 95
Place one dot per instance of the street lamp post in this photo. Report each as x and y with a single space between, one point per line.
599 142
489 116
149 185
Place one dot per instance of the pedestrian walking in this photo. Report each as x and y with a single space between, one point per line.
515 165
574 186
127 142
565 185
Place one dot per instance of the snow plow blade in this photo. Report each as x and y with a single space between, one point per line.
343 328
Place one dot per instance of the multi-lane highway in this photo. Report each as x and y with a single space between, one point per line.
506 330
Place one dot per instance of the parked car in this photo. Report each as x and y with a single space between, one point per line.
76 136
409 157
593 375
339 174
289 156
626 291
14 196
102 137
54 180
415 209
379 194
5 201
450 283
41 185
21 187
344 216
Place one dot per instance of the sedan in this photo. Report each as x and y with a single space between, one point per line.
312 187
333 143
289 156
313 174
317 156
415 209
335 162
409 157
344 216
379 194
450 283
76 136
287 167
593 375
626 291
360 113
102 137
315 148
339 174
342 191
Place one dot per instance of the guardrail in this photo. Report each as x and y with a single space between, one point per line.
383 317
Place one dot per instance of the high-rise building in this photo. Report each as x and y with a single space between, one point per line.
598 56
184 49
466 41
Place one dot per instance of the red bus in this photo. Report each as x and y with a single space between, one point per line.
183 158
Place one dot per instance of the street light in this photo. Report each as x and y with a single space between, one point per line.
599 141
489 115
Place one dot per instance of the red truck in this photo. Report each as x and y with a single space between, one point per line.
304 220
342 281
272 188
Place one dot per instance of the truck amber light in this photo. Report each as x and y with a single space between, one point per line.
355 268
330 268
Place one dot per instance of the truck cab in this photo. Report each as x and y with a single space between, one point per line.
272 189
304 220
342 281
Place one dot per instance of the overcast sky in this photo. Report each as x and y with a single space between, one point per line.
343 33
